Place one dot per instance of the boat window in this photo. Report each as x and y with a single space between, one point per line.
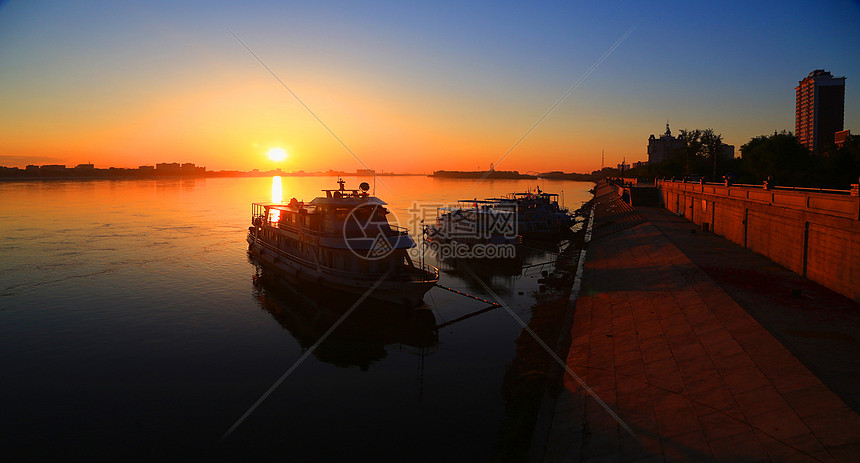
362 214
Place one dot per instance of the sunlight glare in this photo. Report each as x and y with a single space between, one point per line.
277 154
277 191
274 215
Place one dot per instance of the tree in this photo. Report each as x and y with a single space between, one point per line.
699 151
691 147
841 165
711 143
780 156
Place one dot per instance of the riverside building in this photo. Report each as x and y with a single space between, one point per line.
820 109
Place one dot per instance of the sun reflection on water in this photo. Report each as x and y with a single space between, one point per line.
277 189
277 197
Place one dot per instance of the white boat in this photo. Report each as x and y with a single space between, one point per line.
341 241
473 222
539 214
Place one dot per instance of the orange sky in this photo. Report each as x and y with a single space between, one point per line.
231 125
408 88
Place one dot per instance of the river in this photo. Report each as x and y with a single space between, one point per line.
132 323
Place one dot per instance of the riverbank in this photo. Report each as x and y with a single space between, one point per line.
700 350
482 174
533 374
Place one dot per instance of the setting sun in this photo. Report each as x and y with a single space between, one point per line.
276 154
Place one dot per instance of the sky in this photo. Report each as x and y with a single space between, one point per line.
404 86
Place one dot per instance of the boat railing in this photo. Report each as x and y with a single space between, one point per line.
485 206
398 230
420 272
433 271
260 217
279 254
355 229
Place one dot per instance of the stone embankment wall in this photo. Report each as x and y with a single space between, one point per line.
815 234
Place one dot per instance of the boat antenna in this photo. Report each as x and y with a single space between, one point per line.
423 244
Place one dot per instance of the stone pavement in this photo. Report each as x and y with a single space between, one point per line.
820 327
681 361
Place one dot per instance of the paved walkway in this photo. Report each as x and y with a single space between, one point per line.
683 364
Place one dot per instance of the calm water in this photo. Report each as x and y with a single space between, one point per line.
131 322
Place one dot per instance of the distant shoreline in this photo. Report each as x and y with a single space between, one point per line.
215 174
134 174
491 174
513 175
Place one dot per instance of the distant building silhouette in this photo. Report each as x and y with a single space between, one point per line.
176 169
663 148
727 151
820 109
168 168
189 168
89 170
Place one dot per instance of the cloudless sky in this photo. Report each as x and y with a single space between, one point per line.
407 86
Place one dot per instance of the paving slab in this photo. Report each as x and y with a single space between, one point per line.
818 326
703 351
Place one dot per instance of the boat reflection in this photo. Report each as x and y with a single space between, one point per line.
364 337
485 268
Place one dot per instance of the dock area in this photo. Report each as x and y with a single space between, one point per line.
700 350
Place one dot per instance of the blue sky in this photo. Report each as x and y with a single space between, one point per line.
407 86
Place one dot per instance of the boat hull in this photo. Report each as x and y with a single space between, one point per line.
408 292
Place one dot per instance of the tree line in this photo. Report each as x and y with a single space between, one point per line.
780 157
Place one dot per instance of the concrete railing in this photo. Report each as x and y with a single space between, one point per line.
815 233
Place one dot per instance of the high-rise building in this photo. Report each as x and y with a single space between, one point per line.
820 109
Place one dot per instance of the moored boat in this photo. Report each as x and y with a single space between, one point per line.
473 222
539 215
341 241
